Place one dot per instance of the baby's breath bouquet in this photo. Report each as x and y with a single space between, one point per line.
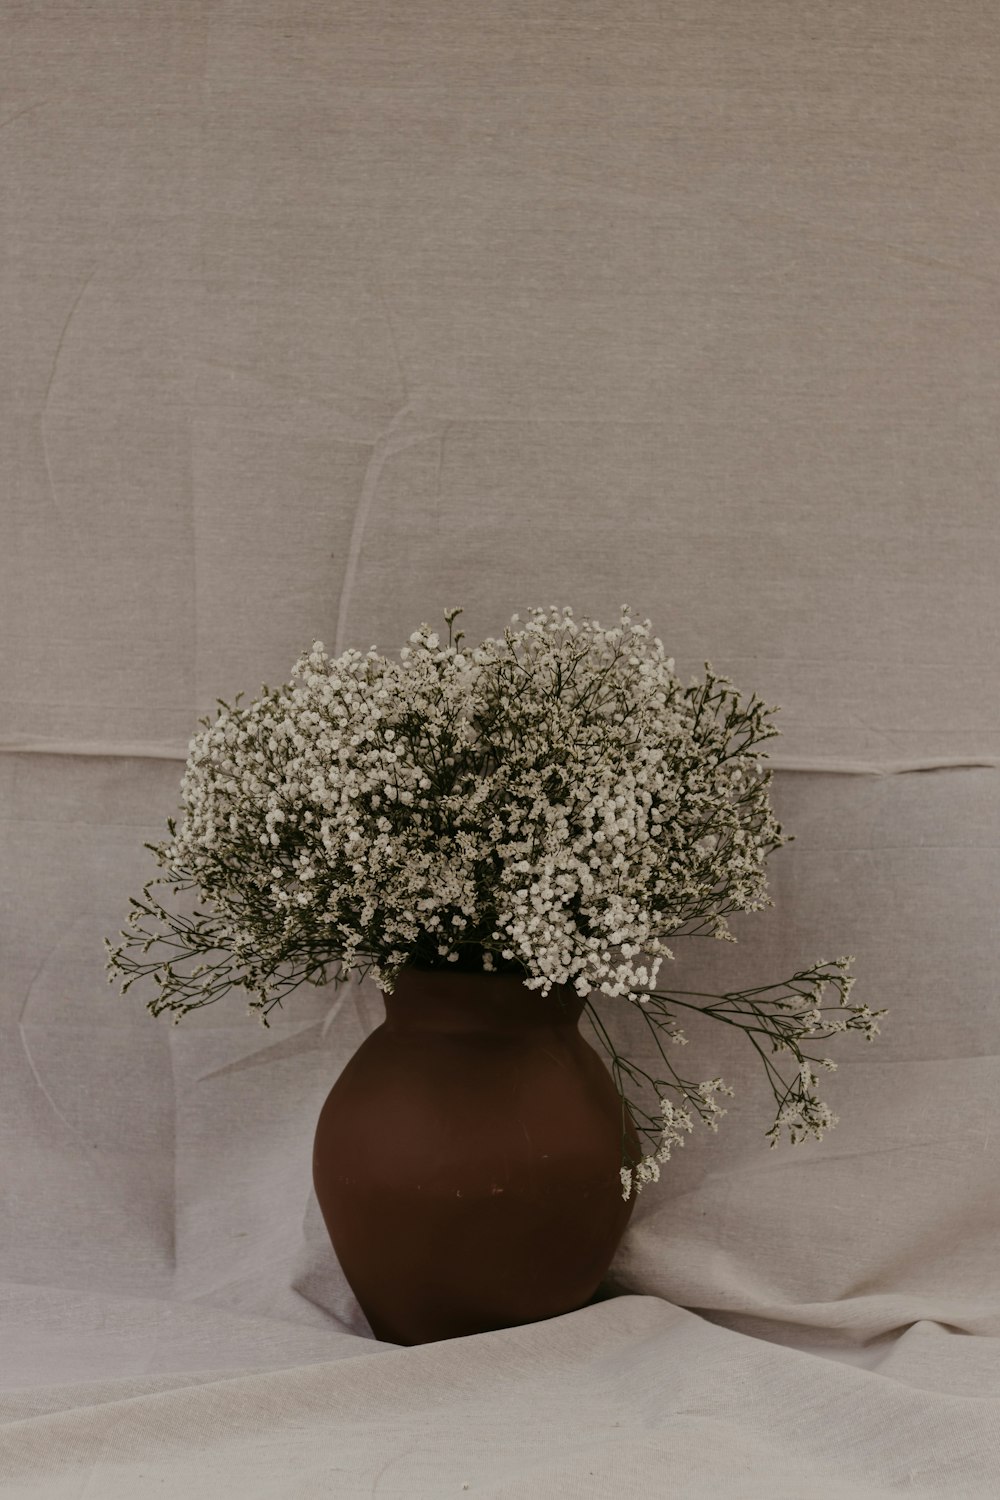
554 804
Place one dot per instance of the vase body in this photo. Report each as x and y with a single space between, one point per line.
467 1159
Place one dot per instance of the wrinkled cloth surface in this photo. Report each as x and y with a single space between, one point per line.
321 319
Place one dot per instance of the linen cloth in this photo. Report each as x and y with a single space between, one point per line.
320 319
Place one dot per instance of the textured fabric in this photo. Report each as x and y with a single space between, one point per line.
319 319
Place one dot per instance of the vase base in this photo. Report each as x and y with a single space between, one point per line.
439 1330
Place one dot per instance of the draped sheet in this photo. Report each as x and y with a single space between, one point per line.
318 320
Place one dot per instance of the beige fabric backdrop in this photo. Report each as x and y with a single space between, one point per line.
318 319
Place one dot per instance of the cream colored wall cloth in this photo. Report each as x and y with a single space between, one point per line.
319 319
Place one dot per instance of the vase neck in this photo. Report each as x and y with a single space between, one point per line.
436 1000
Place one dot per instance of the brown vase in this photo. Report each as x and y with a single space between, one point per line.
467 1159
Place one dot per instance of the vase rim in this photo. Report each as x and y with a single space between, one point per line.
450 973
480 999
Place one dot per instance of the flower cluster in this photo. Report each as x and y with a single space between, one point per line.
553 804
787 1013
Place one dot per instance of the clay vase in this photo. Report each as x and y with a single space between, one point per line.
467 1159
